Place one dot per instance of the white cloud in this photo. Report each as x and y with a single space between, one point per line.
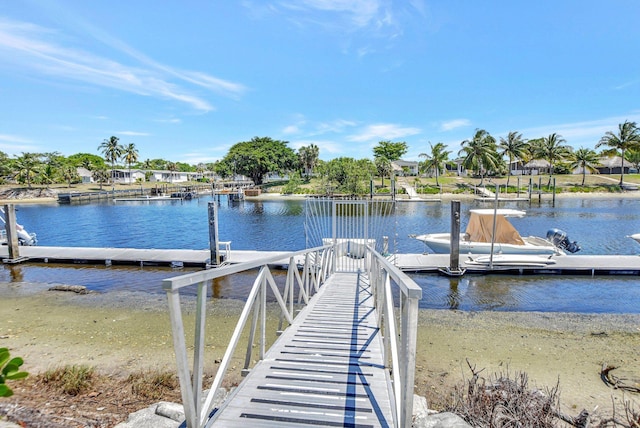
453 124
359 13
581 134
302 126
173 120
27 46
326 147
13 139
13 144
290 130
384 131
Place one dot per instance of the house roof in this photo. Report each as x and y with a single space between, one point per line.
612 162
538 163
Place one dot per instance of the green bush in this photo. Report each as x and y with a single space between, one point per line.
10 371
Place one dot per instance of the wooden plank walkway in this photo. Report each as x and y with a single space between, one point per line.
325 370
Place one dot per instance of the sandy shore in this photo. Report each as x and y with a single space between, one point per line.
121 332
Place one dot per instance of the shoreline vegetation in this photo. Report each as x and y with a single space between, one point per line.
449 187
124 335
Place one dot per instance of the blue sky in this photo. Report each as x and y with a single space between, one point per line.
185 80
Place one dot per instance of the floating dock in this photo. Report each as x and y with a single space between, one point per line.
425 263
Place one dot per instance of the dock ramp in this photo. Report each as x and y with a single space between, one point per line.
345 354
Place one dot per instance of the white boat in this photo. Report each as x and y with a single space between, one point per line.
635 237
478 236
24 237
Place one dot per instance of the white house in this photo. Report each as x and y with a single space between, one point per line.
85 175
124 176
166 176
403 167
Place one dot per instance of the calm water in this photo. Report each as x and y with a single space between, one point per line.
599 226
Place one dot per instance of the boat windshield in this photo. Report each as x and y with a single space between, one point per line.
480 228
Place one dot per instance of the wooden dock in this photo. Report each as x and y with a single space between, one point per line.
427 263
326 369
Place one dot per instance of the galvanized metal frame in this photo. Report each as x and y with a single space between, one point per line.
400 342
316 269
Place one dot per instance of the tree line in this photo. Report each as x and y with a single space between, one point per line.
482 154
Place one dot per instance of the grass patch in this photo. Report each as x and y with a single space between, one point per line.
71 380
152 384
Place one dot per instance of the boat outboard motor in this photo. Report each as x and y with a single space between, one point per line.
559 238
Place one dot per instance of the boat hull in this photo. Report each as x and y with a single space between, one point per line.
440 243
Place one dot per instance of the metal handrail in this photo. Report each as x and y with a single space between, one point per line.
400 342
317 266
402 356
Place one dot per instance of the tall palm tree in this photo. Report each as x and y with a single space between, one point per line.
308 158
628 137
552 150
172 167
112 151
28 166
633 156
514 146
436 158
130 155
585 159
69 173
480 153
383 166
100 175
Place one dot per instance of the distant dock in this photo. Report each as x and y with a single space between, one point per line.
424 263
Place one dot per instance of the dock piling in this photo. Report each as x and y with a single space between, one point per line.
213 233
12 232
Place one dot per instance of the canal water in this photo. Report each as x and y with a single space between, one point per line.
600 226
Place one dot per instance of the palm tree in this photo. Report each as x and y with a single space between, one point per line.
383 166
130 155
552 150
480 153
100 175
633 156
308 158
112 151
172 167
28 166
628 137
585 159
435 160
514 147
69 173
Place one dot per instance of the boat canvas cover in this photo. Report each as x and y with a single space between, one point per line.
480 228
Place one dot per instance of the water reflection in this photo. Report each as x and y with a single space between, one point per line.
543 293
15 273
453 298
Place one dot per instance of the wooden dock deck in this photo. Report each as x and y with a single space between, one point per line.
326 369
428 263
